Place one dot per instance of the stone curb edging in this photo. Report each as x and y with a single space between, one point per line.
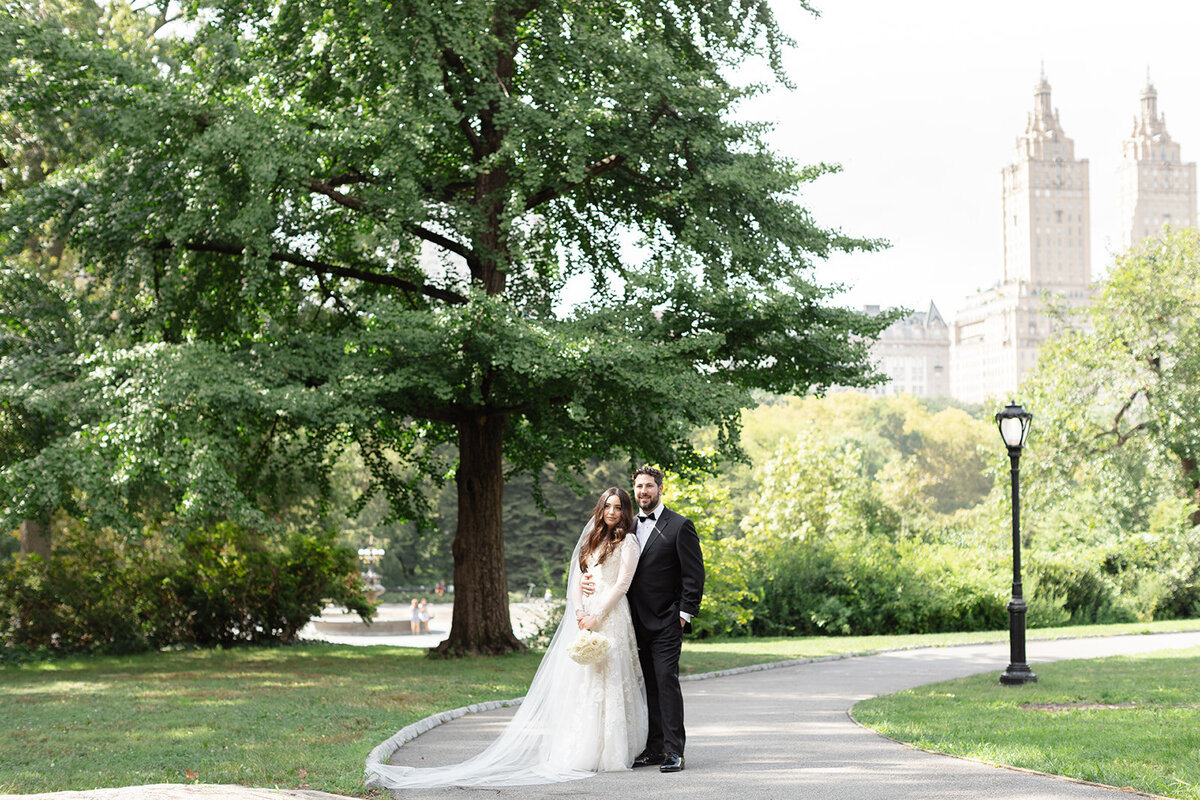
383 751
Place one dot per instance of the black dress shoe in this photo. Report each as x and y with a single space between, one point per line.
648 759
672 762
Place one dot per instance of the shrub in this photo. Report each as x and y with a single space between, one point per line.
872 585
90 596
1089 596
101 592
728 605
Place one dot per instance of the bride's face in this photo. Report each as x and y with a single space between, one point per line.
612 510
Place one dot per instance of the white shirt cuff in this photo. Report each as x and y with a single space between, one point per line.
686 617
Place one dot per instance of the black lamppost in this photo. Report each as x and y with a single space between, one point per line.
1014 423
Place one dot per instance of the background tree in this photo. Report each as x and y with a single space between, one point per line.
364 216
37 326
1122 392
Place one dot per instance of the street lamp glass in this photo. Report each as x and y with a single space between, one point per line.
1014 423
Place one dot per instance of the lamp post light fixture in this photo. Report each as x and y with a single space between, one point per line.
1014 423
370 557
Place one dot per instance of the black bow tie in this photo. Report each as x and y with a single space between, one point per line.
642 518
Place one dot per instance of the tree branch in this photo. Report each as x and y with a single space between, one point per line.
330 295
350 176
356 204
612 161
1119 438
447 415
520 407
551 192
341 198
450 61
366 276
1124 408
443 242
1123 438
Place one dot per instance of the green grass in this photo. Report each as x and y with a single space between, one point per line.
285 716
718 654
296 716
1146 735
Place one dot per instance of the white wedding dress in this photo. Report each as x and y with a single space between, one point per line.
576 720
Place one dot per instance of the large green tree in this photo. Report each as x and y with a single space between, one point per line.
1119 395
36 326
361 217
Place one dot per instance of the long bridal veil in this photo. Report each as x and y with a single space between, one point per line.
537 745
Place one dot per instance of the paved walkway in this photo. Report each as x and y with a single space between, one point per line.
782 734
392 625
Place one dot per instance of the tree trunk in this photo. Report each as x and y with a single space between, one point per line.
481 625
35 538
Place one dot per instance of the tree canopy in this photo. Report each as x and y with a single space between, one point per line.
311 223
1120 396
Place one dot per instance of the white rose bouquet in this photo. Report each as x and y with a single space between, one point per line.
588 647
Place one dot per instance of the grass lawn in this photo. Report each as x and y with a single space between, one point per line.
302 716
1127 721
285 716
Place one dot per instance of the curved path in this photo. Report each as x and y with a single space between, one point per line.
786 733
776 733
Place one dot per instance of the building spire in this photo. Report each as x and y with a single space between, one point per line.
1043 118
1151 122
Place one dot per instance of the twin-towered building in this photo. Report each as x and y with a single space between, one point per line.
994 339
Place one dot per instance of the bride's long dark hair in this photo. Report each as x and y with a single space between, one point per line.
602 539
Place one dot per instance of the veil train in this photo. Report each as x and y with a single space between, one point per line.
535 747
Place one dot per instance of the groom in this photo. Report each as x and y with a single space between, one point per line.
663 598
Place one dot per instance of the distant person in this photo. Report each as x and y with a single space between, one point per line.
577 719
415 623
424 615
440 589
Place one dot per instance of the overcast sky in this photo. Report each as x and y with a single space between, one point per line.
921 103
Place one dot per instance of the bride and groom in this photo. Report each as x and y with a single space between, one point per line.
637 581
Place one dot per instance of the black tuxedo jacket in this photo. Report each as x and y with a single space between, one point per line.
669 576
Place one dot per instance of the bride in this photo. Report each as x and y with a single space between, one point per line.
576 719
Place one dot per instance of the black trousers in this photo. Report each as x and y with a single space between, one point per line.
658 652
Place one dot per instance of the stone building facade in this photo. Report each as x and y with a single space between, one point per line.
914 352
995 337
1047 259
1154 186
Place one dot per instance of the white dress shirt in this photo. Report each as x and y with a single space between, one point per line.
645 528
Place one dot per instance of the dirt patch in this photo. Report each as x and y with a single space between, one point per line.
1081 706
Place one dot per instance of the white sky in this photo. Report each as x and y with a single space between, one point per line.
921 103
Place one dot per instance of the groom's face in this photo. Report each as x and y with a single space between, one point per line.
647 492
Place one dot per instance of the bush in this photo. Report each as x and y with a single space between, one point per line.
1089 596
729 604
104 593
873 585
90 596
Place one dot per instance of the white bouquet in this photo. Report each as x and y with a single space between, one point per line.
588 647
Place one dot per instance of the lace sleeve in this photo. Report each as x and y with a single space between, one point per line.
629 559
